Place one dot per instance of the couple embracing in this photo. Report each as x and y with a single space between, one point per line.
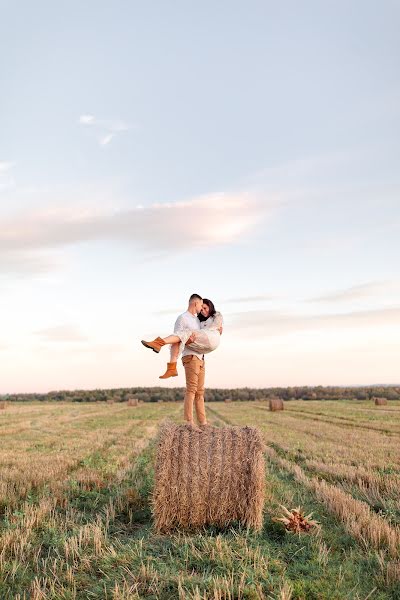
197 332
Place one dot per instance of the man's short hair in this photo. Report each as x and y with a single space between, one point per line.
195 297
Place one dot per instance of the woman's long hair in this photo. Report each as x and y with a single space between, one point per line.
211 307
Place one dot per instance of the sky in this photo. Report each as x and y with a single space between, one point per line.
245 151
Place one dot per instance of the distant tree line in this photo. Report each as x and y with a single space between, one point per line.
159 394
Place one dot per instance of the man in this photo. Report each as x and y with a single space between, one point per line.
193 364
192 361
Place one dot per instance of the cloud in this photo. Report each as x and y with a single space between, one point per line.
263 323
28 241
249 299
356 292
163 228
20 263
106 139
177 311
61 333
106 129
367 290
87 119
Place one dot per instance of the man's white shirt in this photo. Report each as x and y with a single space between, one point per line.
188 321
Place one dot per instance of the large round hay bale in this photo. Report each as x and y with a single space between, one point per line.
276 404
210 477
380 401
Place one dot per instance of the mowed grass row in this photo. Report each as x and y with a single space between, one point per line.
355 476
366 464
65 468
44 446
77 522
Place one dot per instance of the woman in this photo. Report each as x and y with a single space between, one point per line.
201 341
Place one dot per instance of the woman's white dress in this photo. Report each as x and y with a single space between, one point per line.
207 338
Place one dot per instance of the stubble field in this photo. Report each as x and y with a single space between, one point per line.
75 510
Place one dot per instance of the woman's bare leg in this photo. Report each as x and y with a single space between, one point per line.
172 339
174 351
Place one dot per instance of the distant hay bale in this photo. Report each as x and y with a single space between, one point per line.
133 401
210 477
3 405
380 401
228 400
110 400
276 404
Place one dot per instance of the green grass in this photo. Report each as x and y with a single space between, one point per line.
120 556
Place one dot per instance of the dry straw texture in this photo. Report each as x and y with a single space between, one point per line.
133 402
380 401
215 476
276 404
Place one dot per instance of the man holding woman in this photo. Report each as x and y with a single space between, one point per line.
197 332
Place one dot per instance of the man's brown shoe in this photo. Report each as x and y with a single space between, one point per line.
193 426
155 345
170 372
204 426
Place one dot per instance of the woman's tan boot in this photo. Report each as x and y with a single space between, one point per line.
170 372
155 345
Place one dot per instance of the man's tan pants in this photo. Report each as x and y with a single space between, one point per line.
195 373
